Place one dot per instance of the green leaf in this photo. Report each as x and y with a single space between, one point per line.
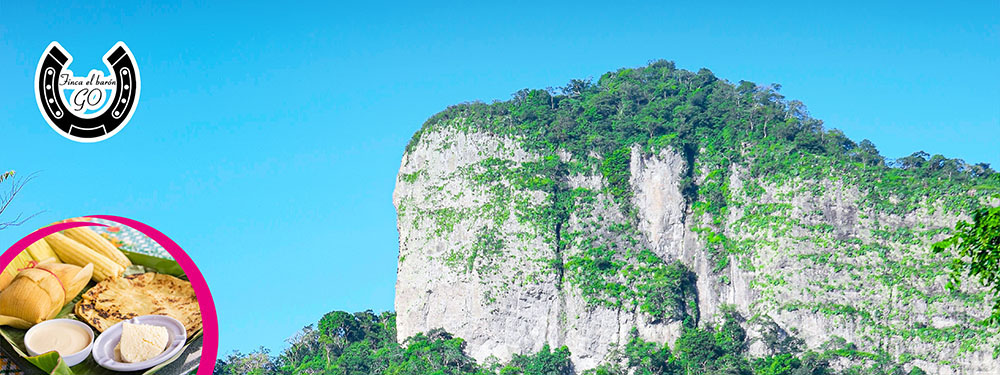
51 363
147 263
15 337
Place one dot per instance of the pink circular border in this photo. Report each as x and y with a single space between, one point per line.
209 318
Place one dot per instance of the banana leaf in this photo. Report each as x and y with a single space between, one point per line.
153 264
51 363
51 360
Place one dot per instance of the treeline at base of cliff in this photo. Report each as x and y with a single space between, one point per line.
365 343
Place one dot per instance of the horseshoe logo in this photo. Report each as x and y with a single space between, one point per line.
99 106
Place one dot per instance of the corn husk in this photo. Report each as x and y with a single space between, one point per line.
20 261
37 294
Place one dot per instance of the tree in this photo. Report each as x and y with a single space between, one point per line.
776 339
671 294
356 359
648 358
301 346
782 364
576 87
977 247
545 362
697 350
813 364
338 330
16 184
868 154
257 362
981 170
730 336
915 161
521 96
437 352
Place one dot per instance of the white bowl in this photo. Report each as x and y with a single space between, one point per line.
104 347
72 359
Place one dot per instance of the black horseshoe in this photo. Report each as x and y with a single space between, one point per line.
115 113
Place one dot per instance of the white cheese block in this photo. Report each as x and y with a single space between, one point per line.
141 342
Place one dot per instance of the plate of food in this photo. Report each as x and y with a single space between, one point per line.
137 304
139 343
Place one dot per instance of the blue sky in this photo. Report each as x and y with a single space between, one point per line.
268 136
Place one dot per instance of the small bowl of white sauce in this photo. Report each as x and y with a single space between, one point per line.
72 339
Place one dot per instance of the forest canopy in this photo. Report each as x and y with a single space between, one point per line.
365 343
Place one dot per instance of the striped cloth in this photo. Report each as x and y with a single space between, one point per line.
124 237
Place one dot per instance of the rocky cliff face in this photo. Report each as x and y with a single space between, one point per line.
505 250
471 263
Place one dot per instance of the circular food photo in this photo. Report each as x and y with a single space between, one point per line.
104 295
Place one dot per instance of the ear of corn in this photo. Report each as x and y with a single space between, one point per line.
22 260
101 245
73 252
40 250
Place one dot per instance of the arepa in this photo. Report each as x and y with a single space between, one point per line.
117 299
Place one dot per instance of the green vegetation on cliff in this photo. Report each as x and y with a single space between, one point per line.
978 245
715 124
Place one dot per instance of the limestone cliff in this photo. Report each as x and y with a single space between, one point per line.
511 246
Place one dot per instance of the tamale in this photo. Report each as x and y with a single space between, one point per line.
38 293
